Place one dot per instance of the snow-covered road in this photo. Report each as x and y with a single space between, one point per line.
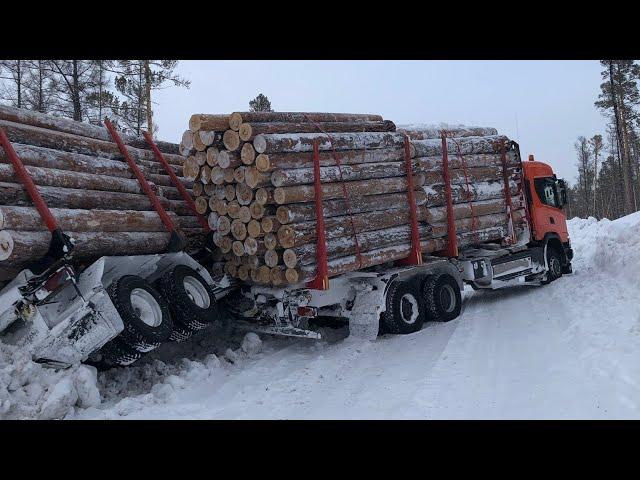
567 350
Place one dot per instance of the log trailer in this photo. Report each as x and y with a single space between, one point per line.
118 308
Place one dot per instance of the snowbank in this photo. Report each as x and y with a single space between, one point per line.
607 246
30 391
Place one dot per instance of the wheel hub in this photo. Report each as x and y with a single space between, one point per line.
146 307
409 308
196 292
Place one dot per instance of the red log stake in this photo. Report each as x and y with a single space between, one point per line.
452 239
176 182
321 282
415 257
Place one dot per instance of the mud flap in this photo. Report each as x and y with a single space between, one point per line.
364 320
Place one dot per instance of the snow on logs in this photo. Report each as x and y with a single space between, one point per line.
253 177
91 190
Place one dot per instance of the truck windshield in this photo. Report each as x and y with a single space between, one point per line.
547 192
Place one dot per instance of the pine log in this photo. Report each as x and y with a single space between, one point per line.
233 209
271 258
306 193
254 228
33 245
6 247
255 179
202 121
303 142
212 156
425 132
77 162
238 248
224 225
304 212
238 229
247 154
64 125
474 192
228 174
283 161
227 159
464 146
42 137
294 235
237 118
244 214
264 196
248 131
16 194
77 220
231 140
239 173
269 224
244 194
229 193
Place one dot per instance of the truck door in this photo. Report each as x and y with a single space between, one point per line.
549 216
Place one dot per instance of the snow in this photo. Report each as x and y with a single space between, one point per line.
565 350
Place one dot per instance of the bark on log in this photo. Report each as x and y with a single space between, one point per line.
248 131
202 121
77 162
426 132
33 245
64 125
305 212
237 118
283 161
77 220
464 146
303 142
306 193
15 194
433 174
42 137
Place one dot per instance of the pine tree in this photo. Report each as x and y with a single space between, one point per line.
39 92
260 104
595 143
13 71
72 82
135 82
618 98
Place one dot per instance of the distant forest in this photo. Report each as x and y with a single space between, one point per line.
90 90
608 182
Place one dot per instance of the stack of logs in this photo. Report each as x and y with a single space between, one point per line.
90 189
253 177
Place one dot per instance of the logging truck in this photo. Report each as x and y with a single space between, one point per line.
117 308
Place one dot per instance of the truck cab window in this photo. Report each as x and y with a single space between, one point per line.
546 190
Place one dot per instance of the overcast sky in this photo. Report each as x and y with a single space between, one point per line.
543 105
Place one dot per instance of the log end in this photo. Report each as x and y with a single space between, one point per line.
235 120
231 140
6 245
262 162
245 131
260 144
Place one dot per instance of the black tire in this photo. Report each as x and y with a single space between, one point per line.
442 298
400 316
143 330
115 352
554 261
192 309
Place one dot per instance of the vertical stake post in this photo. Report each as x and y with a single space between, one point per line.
321 282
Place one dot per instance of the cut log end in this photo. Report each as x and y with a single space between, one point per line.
271 258
292 275
231 140
260 144
262 162
235 120
247 154
290 259
6 245
245 131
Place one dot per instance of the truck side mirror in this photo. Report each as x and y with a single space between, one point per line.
562 190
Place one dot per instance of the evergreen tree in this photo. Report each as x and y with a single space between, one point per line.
260 104
38 86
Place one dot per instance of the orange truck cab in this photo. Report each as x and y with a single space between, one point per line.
546 196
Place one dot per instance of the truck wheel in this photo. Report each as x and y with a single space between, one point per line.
192 301
116 352
146 318
554 261
442 298
405 309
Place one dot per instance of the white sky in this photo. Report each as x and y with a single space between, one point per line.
551 100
